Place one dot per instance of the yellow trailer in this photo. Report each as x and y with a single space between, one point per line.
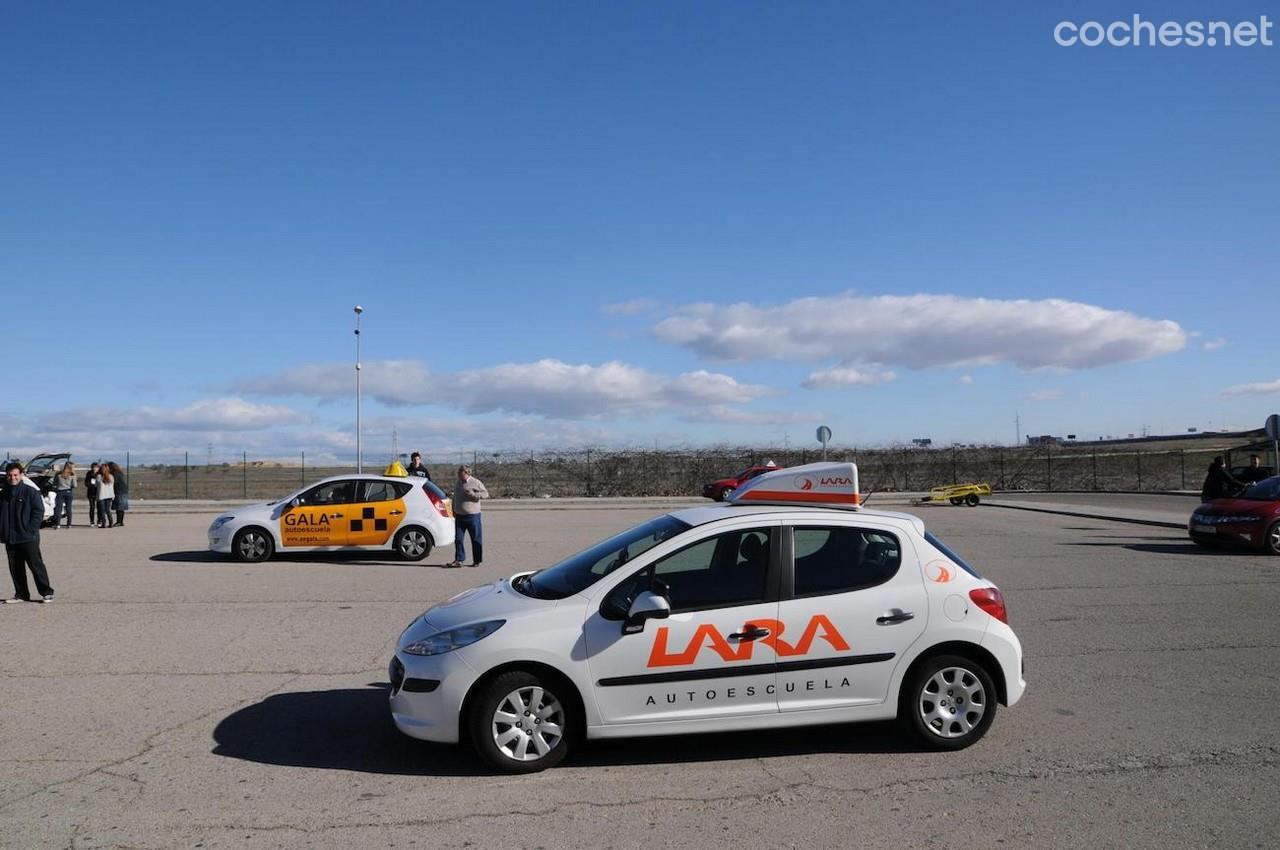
958 494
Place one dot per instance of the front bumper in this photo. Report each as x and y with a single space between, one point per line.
220 541
1252 533
427 694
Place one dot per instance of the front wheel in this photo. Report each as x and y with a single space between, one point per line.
252 545
949 703
519 724
412 544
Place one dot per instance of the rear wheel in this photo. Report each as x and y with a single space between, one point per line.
412 544
1271 543
724 494
520 724
972 500
252 545
949 702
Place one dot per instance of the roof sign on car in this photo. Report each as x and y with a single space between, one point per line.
814 484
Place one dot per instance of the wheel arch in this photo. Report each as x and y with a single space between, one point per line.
537 668
963 649
421 526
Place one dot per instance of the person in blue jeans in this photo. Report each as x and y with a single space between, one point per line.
467 493
64 491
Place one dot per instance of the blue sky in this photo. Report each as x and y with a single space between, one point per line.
549 211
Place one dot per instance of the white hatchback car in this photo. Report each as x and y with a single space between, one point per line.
791 606
346 513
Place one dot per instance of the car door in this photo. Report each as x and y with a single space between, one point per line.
853 602
708 658
377 512
319 519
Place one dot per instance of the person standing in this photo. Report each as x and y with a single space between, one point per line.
91 490
122 492
1218 483
106 495
417 467
467 493
1254 472
64 491
21 512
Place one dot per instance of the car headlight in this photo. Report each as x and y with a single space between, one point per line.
220 521
442 642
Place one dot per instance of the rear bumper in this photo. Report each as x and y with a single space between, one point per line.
1001 642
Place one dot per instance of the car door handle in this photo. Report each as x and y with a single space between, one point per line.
336 516
396 513
753 633
894 616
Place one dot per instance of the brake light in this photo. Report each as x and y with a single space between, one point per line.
439 504
991 600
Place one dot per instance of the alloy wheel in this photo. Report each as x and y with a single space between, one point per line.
952 702
528 724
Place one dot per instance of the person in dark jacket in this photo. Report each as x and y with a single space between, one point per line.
121 503
1254 472
21 512
1218 484
417 467
91 490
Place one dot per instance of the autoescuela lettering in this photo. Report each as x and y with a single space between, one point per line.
712 694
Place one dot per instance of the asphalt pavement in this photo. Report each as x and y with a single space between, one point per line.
171 698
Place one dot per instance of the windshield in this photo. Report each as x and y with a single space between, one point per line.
578 572
1266 490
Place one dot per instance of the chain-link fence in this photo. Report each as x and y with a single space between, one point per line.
655 472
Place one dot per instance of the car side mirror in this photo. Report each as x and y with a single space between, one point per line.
293 503
647 606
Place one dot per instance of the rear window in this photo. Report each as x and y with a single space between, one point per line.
431 489
946 550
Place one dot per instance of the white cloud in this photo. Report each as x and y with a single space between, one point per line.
966 379
1214 344
1045 395
549 388
630 308
1261 388
847 375
922 331
215 414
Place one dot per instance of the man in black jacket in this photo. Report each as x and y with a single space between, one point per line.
1218 483
417 467
21 512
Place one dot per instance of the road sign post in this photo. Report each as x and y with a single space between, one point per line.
824 437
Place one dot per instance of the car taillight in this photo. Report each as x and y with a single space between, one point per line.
436 501
991 600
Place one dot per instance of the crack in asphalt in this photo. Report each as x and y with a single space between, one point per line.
148 744
1260 755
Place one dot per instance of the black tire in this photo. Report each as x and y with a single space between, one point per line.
487 728
972 500
1271 543
941 698
956 501
722 495
252 545
413 543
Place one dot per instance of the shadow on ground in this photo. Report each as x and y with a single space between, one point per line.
204 556
351 729
1170 548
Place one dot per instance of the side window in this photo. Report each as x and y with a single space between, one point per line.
718 572
835 560
725 570
330 493
382 491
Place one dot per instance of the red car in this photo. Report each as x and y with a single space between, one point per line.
719 490
1252 518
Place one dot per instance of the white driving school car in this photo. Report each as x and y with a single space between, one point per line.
342 514
790 606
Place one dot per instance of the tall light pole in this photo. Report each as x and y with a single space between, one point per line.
359 453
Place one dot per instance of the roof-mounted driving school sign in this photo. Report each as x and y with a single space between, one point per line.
813 484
